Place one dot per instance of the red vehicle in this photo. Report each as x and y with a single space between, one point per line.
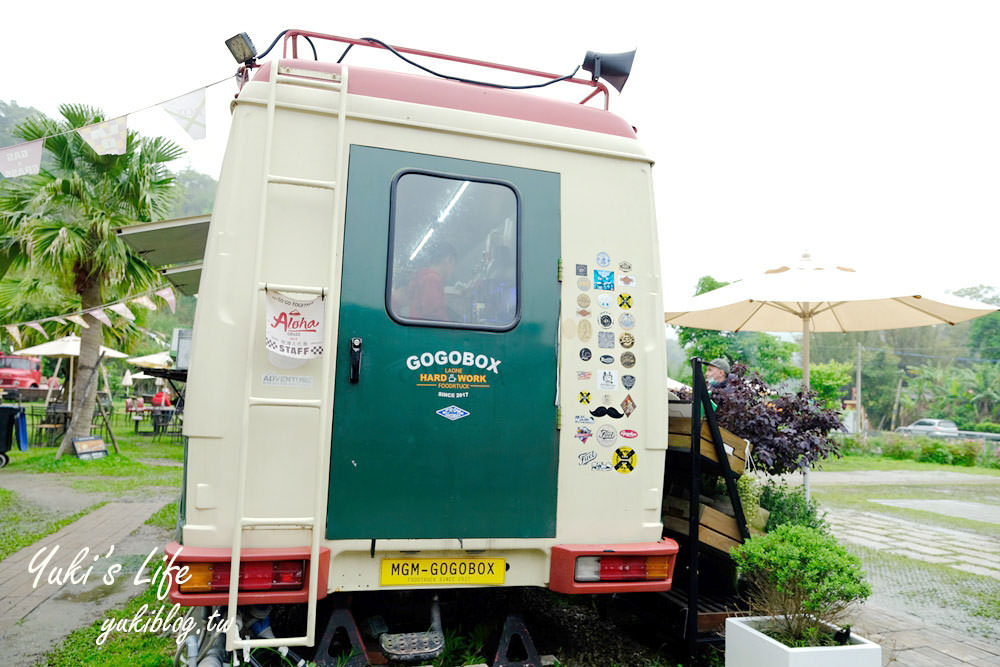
20 372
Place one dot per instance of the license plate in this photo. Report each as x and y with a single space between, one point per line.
438 571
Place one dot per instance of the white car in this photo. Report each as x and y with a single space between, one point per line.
934 427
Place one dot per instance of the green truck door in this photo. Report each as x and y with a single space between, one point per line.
449 288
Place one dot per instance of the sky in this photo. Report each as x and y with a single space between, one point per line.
866 133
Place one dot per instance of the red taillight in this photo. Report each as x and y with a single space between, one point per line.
623 568
281 575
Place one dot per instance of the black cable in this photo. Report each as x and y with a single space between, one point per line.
280 35
457 78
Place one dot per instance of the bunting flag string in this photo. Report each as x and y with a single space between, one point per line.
118 307
109 137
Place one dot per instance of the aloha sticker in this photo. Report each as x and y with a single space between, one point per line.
453 413
293 329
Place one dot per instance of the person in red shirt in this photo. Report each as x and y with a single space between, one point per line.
161 399
425 294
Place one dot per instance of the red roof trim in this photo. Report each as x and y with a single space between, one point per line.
467 97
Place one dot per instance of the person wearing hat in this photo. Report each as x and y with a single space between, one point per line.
717 372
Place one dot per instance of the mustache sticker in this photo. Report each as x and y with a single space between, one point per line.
602 411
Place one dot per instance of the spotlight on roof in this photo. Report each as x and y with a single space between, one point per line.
242 48
612 67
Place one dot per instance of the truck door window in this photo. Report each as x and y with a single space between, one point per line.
454 252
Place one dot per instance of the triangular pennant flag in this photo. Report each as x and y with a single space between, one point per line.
99 315
76 319
107 138
167 295
14 333
123 310
21 160
55 319
145 302
38 327
189 111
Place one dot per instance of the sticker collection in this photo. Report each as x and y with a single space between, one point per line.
608 356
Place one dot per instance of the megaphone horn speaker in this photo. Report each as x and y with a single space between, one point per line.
612 67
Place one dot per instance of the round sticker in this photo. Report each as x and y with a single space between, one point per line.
584 329
585 397
583 300
603 259
626 320
625 266
583 284
625 301
585 354
628 359
604 300
606 435
607 359
624 460
606 320
626 340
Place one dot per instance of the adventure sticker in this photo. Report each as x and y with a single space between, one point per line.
292 328
624 460
461 371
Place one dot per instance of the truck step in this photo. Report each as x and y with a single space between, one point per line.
413 646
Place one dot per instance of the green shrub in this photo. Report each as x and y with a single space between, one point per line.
989 455
802 577
899 447
853 445
986 427
788 505
935 451
964 452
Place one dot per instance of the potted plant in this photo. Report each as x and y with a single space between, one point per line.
801 583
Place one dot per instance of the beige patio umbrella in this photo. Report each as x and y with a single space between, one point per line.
806 297
155 360
65 347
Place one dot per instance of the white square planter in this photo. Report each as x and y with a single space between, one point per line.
747 647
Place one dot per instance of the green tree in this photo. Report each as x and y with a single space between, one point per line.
828 381
195 194
65 221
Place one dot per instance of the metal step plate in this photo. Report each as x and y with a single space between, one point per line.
412 646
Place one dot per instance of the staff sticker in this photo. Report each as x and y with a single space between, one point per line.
293 329
603 259
624 460
585 397
606 339
581 270
604 280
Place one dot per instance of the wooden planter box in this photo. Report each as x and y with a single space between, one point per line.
737 449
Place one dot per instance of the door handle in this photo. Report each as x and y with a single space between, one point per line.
355 360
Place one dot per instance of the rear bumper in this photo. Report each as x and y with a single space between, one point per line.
187 555
563 566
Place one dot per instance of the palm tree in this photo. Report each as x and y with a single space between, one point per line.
64 221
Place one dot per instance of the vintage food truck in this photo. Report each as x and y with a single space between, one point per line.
20 372
428 352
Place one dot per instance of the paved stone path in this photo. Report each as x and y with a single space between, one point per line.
966 551
956 508
97 531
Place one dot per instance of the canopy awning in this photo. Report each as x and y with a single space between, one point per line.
175 247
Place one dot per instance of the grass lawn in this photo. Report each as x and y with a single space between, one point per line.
855 463
24 523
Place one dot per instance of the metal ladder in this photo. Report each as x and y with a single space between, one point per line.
315 522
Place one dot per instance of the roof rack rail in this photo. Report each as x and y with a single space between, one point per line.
291 39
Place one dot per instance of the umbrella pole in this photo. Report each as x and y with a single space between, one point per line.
48 394
805 387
